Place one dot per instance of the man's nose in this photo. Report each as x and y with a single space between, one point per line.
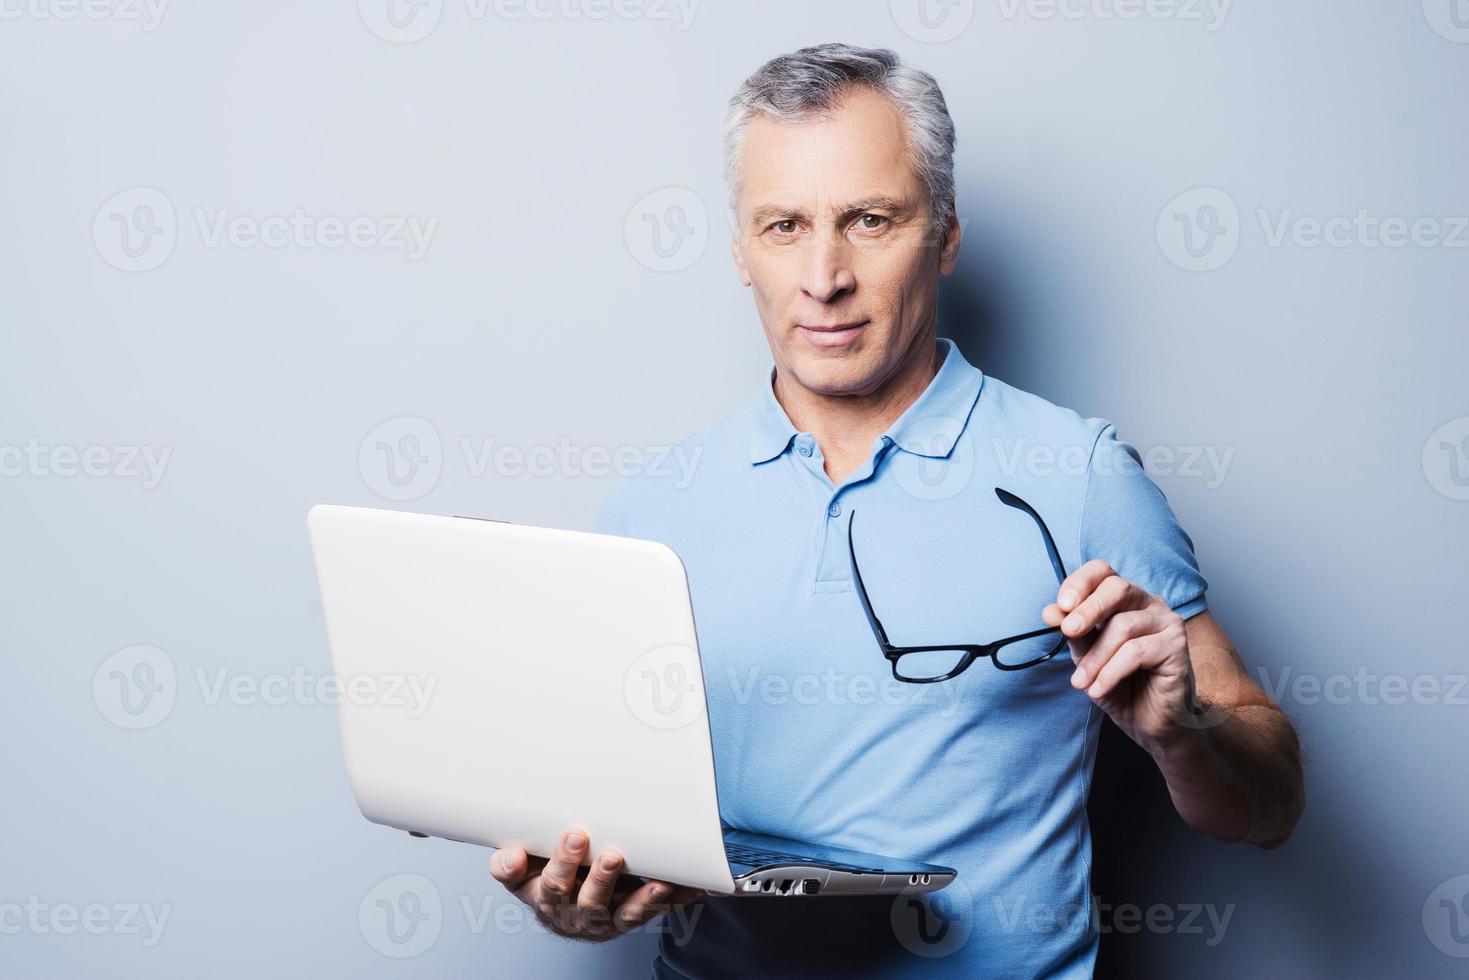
828 273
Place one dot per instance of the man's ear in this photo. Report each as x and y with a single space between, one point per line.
949 250
739 259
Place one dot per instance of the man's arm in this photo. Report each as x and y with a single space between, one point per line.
1234 771
1230 757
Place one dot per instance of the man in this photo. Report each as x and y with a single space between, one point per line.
840 164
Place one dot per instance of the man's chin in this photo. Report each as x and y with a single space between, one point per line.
830 374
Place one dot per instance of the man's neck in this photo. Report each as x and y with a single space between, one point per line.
845 425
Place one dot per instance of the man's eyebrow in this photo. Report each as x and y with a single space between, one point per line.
875 204
772 212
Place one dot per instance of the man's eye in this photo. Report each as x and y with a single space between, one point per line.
786 227
872 222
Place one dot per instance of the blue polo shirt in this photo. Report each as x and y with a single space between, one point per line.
813 737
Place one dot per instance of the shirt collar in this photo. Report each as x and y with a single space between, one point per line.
928 427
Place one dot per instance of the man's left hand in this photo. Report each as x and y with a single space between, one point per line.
1130 650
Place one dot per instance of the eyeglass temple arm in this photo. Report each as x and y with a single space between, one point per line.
872 619
1006 497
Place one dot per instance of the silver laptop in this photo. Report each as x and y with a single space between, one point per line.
503 683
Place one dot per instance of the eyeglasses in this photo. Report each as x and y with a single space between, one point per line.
929 664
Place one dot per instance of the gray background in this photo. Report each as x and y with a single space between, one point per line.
1334 544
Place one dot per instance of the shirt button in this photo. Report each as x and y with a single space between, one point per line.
835 509
804 449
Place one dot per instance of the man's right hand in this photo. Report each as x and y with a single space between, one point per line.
599 904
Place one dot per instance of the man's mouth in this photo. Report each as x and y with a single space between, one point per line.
832 334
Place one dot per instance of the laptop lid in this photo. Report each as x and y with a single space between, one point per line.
558 679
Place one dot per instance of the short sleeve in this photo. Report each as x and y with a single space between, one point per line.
1126 521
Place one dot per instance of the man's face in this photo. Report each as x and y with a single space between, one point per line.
834 230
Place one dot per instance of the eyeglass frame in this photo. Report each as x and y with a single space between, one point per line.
972 652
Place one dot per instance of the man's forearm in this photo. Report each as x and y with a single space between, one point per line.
1239 780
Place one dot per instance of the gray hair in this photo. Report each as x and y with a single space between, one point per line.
810 83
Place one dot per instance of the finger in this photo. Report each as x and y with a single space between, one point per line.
1081 583
1140 653
558 878
648 902
513 866
595 894
1112 595
652 900
1117 631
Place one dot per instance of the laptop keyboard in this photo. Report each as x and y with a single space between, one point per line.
757 857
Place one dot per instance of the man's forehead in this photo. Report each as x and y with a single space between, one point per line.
857 153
